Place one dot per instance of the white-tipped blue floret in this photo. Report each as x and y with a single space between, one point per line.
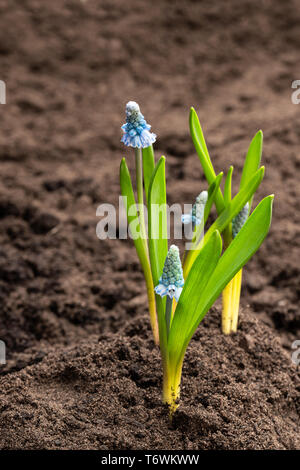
186 218
136 130
239 220
197 213
171 281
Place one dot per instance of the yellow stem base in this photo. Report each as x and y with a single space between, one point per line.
231 302
236 295
171 388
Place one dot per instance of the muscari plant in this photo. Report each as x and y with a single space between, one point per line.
180 297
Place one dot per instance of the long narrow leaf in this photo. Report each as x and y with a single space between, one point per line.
197 131
227 234
201 149
227 187
131 211
252 161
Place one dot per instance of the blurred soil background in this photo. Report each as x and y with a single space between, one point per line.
81 368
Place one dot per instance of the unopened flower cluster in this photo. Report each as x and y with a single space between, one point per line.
171 281
239 220
136 130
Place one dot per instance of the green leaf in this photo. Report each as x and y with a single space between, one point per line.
231 210
157 220
227 187
129 202
187 309
201 149
196 129
212 191
237 203
252 161
148 166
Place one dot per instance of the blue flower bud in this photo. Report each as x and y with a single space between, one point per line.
239 220
136 130
197 212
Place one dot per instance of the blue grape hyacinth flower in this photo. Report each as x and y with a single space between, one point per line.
136 130
239 220
197 212
171 281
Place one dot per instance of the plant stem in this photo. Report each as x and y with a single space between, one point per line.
140 192
168 314
231 303
228 291
146 264
171 386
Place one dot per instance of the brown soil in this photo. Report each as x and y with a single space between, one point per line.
81 370
236 392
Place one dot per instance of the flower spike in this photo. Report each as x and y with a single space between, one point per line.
239 220
197 212
136 130
171 281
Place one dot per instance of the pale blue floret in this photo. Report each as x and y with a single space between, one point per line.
171 281
239 220
197 212
136 130
187 218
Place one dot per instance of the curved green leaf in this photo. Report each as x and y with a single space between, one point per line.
132 216
242 248
212 191
201 149
252 161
